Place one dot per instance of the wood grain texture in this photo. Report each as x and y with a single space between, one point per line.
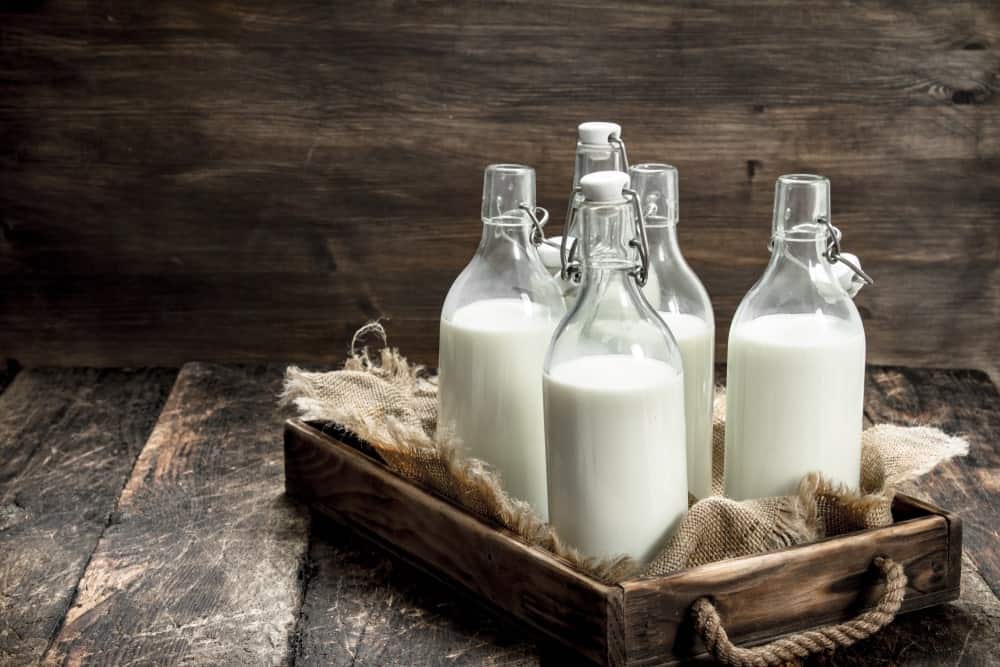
68 440
449 543
363 608
201 563
640 622
249 180
961 402
965 632
354 603
766 596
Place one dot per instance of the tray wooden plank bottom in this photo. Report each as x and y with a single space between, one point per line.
639 622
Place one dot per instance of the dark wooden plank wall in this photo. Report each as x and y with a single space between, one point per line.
253 180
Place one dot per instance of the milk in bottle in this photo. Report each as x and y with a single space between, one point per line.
496 324
682 302
614 395
795 380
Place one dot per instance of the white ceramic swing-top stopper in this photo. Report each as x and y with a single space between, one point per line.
594 132
604 186
549 252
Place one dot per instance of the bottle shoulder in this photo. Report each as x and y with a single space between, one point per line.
524 282
612 317
783 293
677 289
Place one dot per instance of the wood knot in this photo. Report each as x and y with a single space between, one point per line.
963 97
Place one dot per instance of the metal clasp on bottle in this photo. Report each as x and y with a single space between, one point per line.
618 142
571 266
538 216
567 250
832 252
641 243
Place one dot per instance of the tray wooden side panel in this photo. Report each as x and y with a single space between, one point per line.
639 622
559 602
767 596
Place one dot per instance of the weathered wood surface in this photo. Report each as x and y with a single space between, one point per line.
365 609
636 623
68 439
485 560
964 632
331 598
202 560
250 180
962 402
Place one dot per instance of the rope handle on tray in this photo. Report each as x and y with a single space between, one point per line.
802 644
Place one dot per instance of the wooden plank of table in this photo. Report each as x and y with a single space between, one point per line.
202 562
342 483
960 402
167 581
68 440
964 632
363 607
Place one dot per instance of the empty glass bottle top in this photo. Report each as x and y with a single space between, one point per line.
657 188
800 199
505 188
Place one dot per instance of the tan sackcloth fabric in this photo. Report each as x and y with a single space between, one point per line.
717 528
392 404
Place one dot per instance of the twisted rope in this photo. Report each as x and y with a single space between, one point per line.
802 644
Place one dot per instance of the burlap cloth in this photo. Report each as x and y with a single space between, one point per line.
392 404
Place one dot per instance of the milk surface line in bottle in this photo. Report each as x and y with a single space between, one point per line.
496 324
614 392
796 366
680 299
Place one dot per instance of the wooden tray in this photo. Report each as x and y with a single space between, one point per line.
636 622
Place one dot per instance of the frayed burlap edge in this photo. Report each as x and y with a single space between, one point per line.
435 461
414 449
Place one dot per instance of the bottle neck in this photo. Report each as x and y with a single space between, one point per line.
611 289
806 245
605 233
592 158
507 238
800 259
663 245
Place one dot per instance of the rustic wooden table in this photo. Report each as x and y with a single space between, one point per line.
143 521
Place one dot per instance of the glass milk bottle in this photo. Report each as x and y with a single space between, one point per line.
796 366
678 296
496 324
614 393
